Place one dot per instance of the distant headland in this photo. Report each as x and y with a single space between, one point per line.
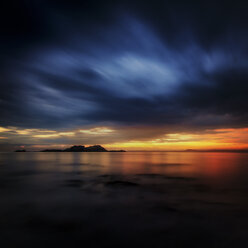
78 148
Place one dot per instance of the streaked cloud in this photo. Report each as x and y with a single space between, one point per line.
130 138
126 74
97 131
4 129
66 133
45 136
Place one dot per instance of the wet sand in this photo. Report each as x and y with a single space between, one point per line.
50 202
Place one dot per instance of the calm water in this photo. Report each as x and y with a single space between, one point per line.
164 199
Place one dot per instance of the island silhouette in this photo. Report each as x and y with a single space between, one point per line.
78 148
81 148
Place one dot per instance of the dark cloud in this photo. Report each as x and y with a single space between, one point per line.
73 63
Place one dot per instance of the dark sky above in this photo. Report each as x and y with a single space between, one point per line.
66 64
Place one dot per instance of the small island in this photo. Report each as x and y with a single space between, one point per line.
80 148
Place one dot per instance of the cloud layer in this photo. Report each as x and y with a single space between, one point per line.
170 64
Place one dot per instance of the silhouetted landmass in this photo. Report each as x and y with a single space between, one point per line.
80 148
96 148
20 150
75 149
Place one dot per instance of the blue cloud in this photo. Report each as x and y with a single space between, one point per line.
126 72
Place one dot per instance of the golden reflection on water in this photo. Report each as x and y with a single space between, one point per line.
211 166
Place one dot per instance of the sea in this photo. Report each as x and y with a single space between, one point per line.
124 199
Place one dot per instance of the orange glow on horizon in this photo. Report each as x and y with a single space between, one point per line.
126 138
217 139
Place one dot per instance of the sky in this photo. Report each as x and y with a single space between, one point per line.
134 75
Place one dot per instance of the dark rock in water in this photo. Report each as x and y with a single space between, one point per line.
20 150
121 183
96 148
75 149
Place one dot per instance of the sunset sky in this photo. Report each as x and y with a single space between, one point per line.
134 75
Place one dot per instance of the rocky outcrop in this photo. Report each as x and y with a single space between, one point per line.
79 148
75 149
96 148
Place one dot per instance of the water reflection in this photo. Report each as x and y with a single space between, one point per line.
132 196
217 168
